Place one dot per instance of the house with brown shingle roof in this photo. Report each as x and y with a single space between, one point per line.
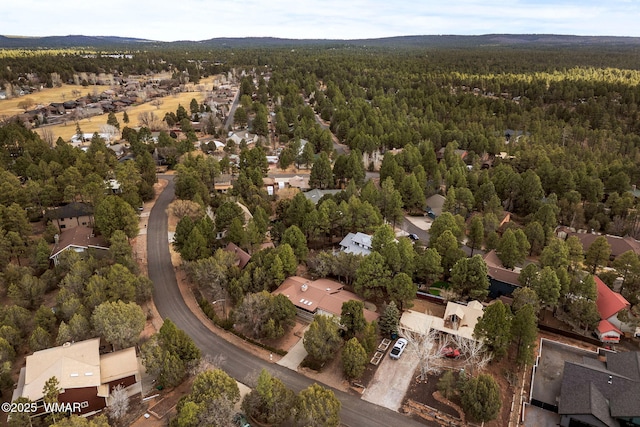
502 281
80 239
243 257
619 245
322 296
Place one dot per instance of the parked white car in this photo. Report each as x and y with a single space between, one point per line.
398 348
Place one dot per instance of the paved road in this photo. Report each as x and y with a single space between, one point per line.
355 412
339 147
228 124
410 227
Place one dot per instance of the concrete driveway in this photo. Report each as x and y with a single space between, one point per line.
295 355
391 380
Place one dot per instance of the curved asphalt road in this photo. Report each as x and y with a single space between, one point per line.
166 295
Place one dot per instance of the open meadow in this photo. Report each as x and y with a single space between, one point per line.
9 107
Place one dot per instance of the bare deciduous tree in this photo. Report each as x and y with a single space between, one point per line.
208 363
109 130
149 120
119 402
474 353
182 208
427 347
48 136
26 103
219 412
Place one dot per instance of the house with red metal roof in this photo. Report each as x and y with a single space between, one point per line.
609 304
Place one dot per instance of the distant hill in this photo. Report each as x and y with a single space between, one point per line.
53 42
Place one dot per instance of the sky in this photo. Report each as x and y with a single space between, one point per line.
171 20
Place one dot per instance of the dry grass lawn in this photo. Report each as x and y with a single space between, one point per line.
9 107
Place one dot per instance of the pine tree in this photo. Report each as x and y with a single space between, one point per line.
354 359
389 320
495 328
524 330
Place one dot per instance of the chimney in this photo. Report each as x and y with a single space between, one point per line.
304 287
56 238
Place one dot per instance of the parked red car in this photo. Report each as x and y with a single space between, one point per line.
450 352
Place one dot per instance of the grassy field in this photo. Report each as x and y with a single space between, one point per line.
9 107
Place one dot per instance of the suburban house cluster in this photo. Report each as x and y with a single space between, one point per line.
610 329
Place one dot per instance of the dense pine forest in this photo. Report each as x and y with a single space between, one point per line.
548 132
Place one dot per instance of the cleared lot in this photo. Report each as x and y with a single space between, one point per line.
391 381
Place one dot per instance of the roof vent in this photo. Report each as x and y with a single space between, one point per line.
610 379
304 287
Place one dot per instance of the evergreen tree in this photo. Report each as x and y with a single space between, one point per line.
481 398
412 194
352 317
494 327
509 251
318 407
547 286
295 238
354 359
322 339
389 320
476 233
469 278
390 201
270 402
372 277
321 173
598 253
112 120
524 330
402 290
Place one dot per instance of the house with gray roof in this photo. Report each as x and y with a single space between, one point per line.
315 195
601 392
71 215
578 387
356 243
